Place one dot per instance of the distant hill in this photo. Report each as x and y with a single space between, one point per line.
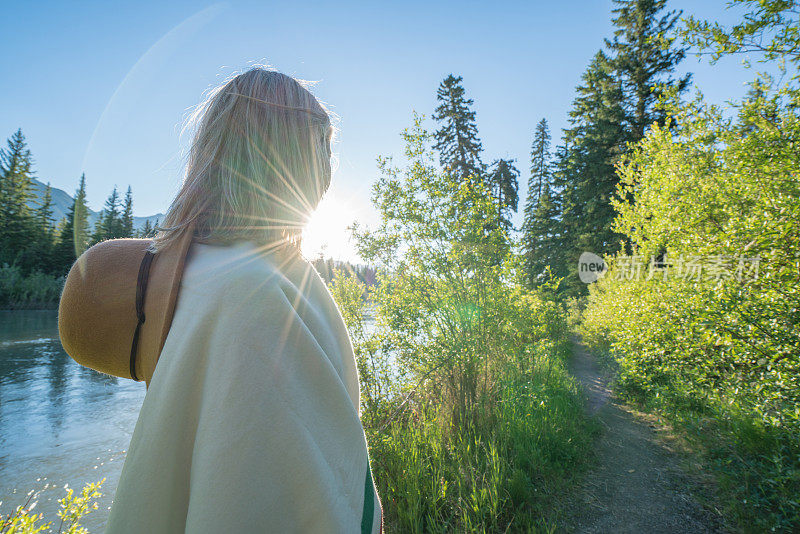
62 201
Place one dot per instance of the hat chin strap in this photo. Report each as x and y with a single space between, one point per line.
141 289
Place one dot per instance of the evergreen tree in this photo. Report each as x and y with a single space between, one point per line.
542 239
504 181
644 59
457 139
44 213
73 237
17 224
40 251
538 184
614 106
147 229
540 164
109 225
127 214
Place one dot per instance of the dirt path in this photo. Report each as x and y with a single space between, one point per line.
636 486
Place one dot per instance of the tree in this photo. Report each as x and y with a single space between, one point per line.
457 139
73 238
39 253
542 242
127 214
540 164
442 283
584 176
769 29
644 59
17 225
44 213
147 229
539 226
109 225
503 178
615 105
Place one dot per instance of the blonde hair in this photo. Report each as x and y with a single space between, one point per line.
258 165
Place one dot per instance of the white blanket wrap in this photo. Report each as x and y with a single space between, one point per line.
251 422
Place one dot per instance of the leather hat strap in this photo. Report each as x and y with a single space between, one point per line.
141 289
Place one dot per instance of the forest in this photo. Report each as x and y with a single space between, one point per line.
465 327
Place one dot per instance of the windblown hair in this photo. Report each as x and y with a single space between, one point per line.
258 165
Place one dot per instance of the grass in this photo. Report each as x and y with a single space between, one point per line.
506 469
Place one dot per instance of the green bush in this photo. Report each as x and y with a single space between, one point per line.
716 349
36 290
74 507
472 420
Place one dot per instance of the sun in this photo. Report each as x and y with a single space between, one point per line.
326 232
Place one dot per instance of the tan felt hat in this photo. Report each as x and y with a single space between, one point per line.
117 305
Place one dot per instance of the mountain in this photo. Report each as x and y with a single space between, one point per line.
62 201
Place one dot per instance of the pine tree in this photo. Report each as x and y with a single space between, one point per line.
538 184
542 239
39 253
44 213
17 224
109 225
127 214
457 139
644 59
503 178
614 106
72 236
540 164
147 229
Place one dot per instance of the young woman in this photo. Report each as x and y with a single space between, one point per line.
251 419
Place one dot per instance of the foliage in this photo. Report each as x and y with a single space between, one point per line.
503 178
457 139
17 224
472 420
614 106
541 245
29 237
770 29
74 507
717 351
36 290
73 238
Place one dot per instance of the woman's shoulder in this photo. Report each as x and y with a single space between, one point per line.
246 267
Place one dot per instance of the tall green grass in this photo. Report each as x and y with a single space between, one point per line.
505 465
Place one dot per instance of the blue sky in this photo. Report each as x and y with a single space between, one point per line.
104 87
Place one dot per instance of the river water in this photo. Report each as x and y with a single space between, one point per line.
60 423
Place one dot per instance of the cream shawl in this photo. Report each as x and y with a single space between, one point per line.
250 423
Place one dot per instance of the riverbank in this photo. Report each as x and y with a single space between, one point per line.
33 291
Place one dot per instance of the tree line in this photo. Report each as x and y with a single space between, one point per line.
30 239
568 208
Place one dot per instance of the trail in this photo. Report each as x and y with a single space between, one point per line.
637 485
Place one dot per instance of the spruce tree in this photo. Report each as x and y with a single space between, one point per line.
542 238
40 252
109 225
538 183
73 237
17 224
644 59
127 214
457 139
614 107
540 164
503 178
147 229
44 213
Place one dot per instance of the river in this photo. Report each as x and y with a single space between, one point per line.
60 423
